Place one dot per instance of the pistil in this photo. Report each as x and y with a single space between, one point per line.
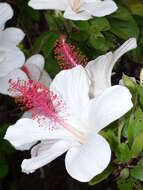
78 134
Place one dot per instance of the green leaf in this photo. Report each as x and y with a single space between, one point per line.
129 83
140 162
104 175
3 130
3 167
137 146
125 184
135 125
49 44
123 24
51 66
123 154
33 14
99 24
137 172
111 138
45 43
40 42
82 25
99 42
136 7
124 174
80 36
140 95
5 147
55 23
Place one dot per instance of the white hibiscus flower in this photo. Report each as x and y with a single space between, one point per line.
77 121
11 57
77 9
33 69
100 69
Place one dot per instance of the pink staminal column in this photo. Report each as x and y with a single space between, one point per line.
43 103
67 55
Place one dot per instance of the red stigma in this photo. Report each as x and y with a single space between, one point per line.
67 55
42 102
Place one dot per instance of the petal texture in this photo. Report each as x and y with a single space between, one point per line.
6 13
124 48
27 132
82 15
10 37
45 78
43 154
100 8
98 70
32 71
11 59
101 68
73 86
15 76
37 60
88 160
111 105
48 4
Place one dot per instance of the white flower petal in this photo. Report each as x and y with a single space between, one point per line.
48 4
27 132
73 86
121 82
45 78
15 76
37 149
70 14
27 114
11 37
100 8
88 160
98 70
111 105
124 48
45 153
11 59
37 60
32 71
6 13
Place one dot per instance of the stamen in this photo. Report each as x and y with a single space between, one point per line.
68 56
43 103
38 98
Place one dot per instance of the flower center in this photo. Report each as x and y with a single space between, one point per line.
76 5
43 103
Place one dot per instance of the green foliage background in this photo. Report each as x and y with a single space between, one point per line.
94 37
